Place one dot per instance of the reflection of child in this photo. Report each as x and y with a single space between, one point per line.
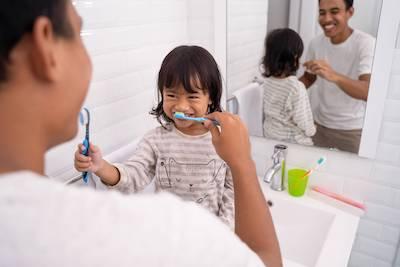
287 111
179 154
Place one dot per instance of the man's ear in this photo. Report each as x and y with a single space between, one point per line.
351 11
44 52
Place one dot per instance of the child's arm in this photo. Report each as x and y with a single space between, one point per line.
302 114
135 173
227 207
131 176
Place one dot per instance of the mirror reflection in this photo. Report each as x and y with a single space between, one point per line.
310 80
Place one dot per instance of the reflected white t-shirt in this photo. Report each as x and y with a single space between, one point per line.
44 223
352 58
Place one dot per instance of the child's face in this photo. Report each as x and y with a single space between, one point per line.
195 104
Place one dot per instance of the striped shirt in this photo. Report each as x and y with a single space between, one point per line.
184 165
287 112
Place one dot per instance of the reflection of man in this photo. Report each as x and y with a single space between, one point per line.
44 76
339 62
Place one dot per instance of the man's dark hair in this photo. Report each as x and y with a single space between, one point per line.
283 49
192 67
17 18
348 3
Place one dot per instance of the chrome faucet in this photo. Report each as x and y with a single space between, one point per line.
276 173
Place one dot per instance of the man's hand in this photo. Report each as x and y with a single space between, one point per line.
231 140
321 68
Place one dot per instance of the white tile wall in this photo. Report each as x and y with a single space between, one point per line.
246 33
127 40
201 23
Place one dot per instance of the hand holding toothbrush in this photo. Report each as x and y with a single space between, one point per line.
230 139
91 163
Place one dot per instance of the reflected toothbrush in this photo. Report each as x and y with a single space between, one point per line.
84 118
320 162
182 116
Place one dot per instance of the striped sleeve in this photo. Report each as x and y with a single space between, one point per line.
139 170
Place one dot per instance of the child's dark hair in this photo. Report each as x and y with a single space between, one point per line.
191 66
283 49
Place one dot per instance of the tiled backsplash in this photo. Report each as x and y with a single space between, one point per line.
246 32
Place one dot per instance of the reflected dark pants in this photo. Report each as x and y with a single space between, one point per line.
345 140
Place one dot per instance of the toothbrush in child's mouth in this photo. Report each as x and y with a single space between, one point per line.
182 116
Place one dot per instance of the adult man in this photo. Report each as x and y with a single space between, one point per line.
44 76
340 63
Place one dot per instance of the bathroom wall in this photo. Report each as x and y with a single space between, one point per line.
393 118
278 14
247 25
200 19
127 40
375 182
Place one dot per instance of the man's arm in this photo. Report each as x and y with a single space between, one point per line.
253 221
357 89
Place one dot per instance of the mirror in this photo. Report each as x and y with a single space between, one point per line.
331 111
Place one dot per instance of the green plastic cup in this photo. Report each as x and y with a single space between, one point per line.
296 182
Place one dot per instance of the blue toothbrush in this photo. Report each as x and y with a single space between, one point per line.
85 120
181 115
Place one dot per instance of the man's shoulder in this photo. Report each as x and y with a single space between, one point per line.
93 225
46 194
362 37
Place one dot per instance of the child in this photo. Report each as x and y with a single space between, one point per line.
179 154
287 111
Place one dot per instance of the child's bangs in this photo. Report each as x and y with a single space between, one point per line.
187 76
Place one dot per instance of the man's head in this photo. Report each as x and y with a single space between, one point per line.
333 18
43 64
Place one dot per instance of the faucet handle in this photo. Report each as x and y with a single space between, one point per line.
280 147
280 151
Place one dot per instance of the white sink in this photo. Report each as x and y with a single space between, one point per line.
311 232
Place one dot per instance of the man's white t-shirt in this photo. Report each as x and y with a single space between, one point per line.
352 58
44 223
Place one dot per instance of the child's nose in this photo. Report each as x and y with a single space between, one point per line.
182 104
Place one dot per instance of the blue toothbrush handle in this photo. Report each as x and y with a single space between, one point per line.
86 153
201 119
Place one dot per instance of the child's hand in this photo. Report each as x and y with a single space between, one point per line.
91 163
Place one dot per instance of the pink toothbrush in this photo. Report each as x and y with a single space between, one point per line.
339 197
